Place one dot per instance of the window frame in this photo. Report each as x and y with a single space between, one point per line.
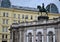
18 16
14 15
22 16
4 28
3 14
26 16
31 17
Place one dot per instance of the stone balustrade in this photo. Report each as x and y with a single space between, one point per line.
55 20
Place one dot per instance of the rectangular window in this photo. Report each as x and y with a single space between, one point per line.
18 16
6 21
35 17
14 15
6 36
22 16
2 36
4 29
3 21
4 14
19 21
26 17
31 17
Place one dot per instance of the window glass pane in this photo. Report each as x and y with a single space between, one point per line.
3 21
4 29
30 37
26 17
31 17
4 14
14 15
35 17
39 37
6 36
50 36
52 8
2 36
18 16
6 21
22 16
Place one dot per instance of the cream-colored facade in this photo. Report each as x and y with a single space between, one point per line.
11 15
36 31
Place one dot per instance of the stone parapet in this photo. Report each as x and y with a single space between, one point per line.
50 21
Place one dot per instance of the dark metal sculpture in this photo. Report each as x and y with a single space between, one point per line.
42 9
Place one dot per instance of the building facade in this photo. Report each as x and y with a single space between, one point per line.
36 31
11 15
14 14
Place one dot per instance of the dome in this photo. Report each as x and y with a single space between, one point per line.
5 3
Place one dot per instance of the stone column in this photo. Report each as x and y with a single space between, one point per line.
45 35
25 35
34 35
11 36
56 34
21 35
17 35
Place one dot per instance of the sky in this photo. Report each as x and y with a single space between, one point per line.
27 3
32 3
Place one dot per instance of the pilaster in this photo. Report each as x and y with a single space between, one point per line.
45 35
21 34
11 36
34 34
25 35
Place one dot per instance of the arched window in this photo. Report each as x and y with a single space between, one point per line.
50 36
39 37
52 8
29 37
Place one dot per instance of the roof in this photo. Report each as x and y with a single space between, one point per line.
24 8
